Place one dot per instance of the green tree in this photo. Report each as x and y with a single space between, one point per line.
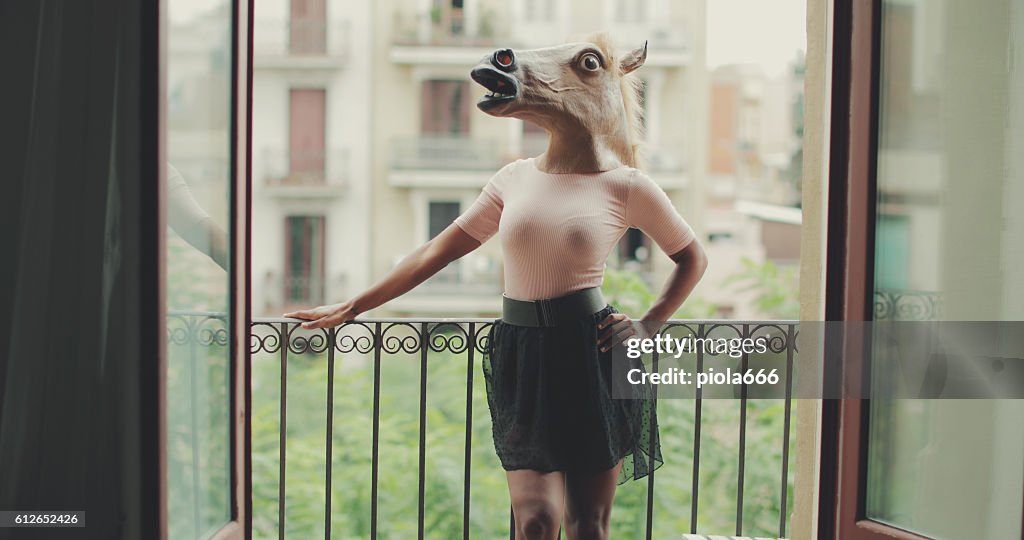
630 294
775 288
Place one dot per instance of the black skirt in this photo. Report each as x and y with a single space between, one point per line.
550 395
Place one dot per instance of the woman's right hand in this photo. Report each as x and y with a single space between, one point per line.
326 316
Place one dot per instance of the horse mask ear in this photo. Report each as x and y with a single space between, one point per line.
634 59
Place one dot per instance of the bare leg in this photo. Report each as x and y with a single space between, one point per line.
589 503
536 503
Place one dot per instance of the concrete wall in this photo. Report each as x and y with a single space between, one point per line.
817 89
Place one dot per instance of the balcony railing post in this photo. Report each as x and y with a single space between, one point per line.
744 364
330 430
697 402
468 456
192 327
784 482
650 453
424 347
378 344
282 453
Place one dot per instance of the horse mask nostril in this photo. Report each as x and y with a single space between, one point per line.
504 59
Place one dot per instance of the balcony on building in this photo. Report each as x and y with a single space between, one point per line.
303 174
402 402
444 36
290 43
666 165
457 161
472 285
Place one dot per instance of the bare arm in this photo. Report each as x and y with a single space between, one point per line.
191 222
414 269
691 262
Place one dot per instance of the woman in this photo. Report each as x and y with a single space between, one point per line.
564 442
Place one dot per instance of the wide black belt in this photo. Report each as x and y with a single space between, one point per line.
552 311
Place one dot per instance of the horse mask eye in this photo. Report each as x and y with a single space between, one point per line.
504 58
590 62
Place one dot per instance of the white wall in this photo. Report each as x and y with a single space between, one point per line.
348 92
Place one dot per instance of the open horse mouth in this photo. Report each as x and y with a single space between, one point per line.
503 87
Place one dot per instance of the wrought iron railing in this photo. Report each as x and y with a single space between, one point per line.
298 171
907 305
197 345
445 28
445 153
300 37
376 339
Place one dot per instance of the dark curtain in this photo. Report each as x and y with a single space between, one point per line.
78 274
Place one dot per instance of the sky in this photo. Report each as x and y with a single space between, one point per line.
764 32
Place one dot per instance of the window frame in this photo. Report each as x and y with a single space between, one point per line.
849 288
319 268
239 524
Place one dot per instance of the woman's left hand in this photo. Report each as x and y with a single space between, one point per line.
618 327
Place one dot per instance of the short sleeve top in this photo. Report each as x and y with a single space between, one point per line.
557 230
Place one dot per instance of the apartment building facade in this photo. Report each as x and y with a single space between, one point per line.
311 171
433 151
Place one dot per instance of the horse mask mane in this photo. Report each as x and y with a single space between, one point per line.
582 93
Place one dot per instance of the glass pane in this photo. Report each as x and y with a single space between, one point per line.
198 200
949 247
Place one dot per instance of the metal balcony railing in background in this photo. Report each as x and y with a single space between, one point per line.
907 305
323 169
462 279
303 290
445 153
442 27
432 340
665 160
197 419
292 292
276 38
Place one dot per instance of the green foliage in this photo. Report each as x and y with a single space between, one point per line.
445 432
445 450
197 389
776 290
630 294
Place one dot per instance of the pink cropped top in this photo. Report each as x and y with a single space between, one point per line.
557 230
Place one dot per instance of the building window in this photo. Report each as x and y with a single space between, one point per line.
308 27
441 214
449 15
445 107
892 251
306 132
304 260
635 251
